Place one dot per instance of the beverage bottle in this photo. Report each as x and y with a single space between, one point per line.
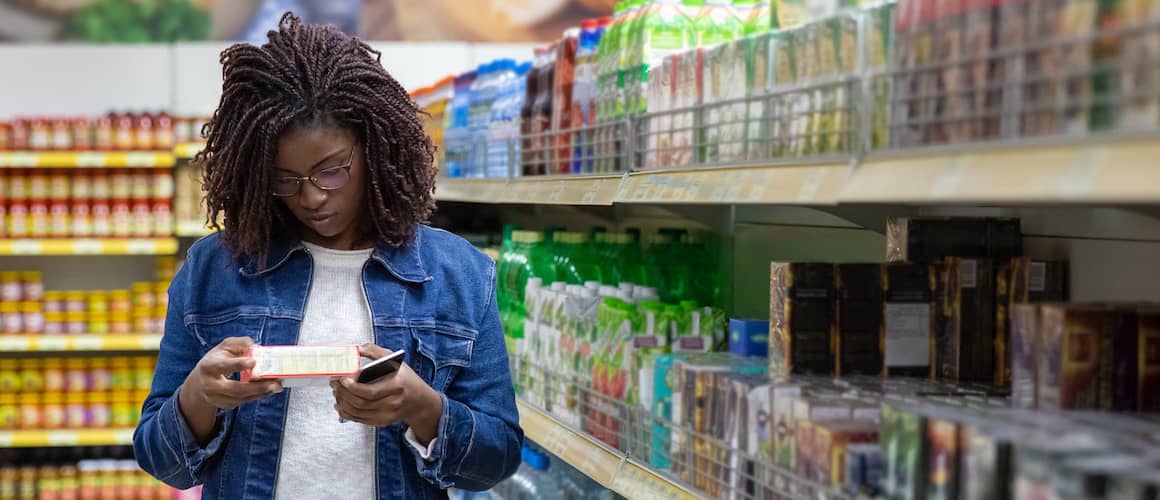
545 483
759 19
477 115
717 23
502 265
542 114
628 36
563 85
628 263
606 66
456 137
511 135
499 93
583 89
527 113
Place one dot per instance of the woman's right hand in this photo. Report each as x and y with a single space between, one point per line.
207 388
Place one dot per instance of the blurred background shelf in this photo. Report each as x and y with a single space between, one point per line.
86 159
78 437
79 343
187 150
146 246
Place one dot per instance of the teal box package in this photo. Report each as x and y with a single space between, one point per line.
749 337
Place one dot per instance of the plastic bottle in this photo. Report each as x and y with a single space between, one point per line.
628 35
627 263
546 484
511 129
456 135
563 84
605 95
575 263
542 114
717 23
583 91
527 112
498 90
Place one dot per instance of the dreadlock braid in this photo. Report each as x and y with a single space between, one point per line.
305 75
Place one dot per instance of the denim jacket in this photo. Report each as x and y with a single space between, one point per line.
433 299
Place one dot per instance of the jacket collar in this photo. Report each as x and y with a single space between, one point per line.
404 263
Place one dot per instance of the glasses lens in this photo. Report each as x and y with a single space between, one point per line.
332 179
287 186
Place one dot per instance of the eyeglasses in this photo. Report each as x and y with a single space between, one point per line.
326 180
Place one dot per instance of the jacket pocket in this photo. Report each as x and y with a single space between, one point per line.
444 349
210 330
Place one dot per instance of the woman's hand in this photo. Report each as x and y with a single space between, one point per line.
206 388
400 396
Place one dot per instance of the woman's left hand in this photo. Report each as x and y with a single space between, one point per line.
400 396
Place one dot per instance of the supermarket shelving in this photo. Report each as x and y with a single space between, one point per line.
187 150
606 466
145 246
78 437
81 343
86 159
547 190
192 229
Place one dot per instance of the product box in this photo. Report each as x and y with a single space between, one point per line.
832 441
860 319
758 78
912 459
1025 346
802 318
864 470
928 239
985 463
909 319
782 396
965 331
742 426
1069 355
299 365
760 430
1118 360
1148 371
749 337
1038 460
809 412
943 459
663 410
661 82
1021 280
687 94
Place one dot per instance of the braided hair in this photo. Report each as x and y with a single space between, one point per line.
309 75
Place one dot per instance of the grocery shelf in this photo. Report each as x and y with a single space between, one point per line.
545 190
780 184
86 159
146 246
192 229
187 150
606 466
79 437
1119 172
86 343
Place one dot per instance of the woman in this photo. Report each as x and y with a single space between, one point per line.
317 160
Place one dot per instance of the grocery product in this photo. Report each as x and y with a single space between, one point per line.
301 365
859 318
1068 355
802 320
965 329
926 239
749 337
909 319
143 131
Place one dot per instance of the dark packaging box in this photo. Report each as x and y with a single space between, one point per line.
965 332
802 318
1025 355
1148 370
909 319
860 320
927 239
1069 356
1118 361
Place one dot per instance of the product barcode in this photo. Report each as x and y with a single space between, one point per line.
968 273
1038 279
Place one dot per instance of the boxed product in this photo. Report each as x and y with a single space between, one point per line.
952 104
1039 460
985 463
1068 364
743 427
1022 280
864 470
663 397
687 94
802 319
1148 371
832 441
927 239
782 396
860 319
909 319
658 146
809 412
1025 345
984 98
965 331
758 58
942 459
1118 360
912 457
298 365
749 337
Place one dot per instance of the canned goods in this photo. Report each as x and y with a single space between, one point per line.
76 375
38 219
102 219
120 301
9 376
11 289
53 301
162 218
74 301
54 323
122 372
62 134
30 416
13 321
17 220
98 323
142 225
143 367
32 285
76 412
59 220
32 317
121 414
9 412
103 134
100 185
52 411
162 298
120 323
143 296
98 301
37 184
82 219
75 323
120 184
142 321
81 187
82 134
122 218
54 379
31 375
100 415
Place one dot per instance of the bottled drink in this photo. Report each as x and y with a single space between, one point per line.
456 137
498 91
583 95
563 82
527 112
542 114
607 48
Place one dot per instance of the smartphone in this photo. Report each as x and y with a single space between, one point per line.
379 368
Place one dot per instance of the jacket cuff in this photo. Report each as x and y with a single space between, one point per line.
424 451
456 431
180 439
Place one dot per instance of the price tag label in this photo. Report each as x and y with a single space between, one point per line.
643 191
557 192
591 193
123 436
26 247
53 343
90 160
63 438
141 160
87 247
88 343
141 247
809 188
1083 171
150 342
949 177
14 343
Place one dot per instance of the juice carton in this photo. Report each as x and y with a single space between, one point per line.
758 79
663 396
687 94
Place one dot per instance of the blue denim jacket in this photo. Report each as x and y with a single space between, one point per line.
433 299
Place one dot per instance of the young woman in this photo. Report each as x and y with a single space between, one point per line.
317 160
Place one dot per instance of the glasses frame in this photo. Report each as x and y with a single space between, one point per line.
313 178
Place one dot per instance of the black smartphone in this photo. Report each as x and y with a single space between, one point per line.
379 368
